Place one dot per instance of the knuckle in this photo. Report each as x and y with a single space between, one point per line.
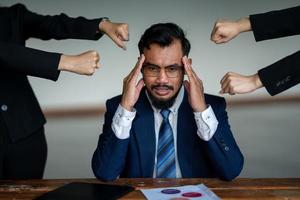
91 71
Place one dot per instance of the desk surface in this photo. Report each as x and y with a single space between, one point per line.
242 188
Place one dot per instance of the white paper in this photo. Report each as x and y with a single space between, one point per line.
157 194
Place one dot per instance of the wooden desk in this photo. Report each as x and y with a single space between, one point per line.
242 188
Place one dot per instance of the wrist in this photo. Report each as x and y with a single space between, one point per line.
244 24
126 107
257 81
103 24
64 63
201 106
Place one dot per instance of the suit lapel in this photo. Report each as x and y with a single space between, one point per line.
185 133
143 127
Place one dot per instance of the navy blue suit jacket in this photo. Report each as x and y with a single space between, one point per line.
134 157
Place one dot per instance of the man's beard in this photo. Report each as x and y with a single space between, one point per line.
162 104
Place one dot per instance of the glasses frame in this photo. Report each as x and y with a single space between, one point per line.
180 68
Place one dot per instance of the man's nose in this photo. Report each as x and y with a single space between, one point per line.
162 76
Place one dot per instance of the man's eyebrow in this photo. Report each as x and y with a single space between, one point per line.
155 65
150 64
175 65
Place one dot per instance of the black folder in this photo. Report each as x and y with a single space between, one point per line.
87 191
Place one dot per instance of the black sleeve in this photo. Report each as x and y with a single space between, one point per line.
57 26
28 61
281 75
275 24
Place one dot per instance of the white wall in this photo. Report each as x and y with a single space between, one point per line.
267 135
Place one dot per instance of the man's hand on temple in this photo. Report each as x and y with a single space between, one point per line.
132 87
194 87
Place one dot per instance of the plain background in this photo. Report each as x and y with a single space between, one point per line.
267 134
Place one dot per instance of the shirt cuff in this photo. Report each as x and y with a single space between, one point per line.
122 121
207 123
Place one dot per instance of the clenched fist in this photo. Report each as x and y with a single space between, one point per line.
83 64
234 83
118 32
226 30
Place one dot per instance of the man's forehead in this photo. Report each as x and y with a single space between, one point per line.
158 55
163 62
175 43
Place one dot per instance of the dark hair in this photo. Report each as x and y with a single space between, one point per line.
164 34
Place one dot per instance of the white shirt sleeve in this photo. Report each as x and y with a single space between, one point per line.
207 123
122 121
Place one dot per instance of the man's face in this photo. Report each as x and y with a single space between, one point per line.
163 70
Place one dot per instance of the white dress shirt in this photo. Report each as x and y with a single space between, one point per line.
206 121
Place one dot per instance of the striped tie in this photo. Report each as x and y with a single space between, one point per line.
166 167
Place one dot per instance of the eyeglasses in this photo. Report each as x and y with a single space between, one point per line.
154 71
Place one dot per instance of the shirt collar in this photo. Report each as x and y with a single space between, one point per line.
176 105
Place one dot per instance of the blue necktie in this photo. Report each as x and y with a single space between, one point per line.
166 167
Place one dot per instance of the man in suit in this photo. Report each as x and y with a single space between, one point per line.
23 148
276 77
165 129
